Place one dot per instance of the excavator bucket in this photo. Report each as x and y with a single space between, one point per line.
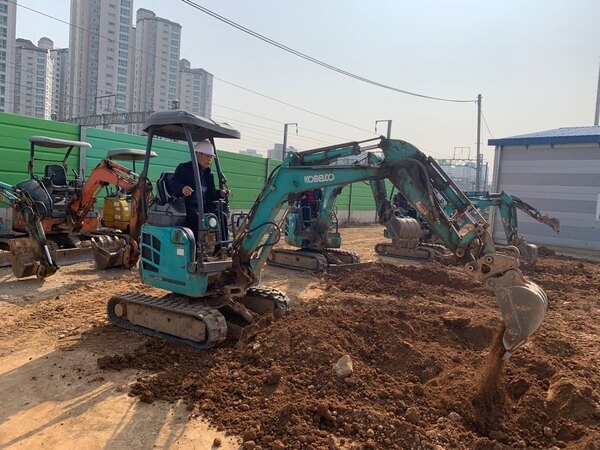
25 260
528 252
552 222
523 305
108 251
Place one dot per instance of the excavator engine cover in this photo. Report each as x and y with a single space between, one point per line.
404 229
116 213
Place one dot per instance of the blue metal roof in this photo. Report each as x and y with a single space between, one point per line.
565 135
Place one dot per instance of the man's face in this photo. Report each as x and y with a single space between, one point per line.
203 159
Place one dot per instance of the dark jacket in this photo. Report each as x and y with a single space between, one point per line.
184 176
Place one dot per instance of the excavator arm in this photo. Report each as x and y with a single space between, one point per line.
507 207
522 303
105 173
113 251
31 255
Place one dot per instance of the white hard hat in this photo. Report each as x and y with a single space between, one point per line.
205 147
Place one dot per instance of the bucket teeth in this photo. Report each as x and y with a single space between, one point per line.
108 251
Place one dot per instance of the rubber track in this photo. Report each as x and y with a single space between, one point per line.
393 252
215 322
334 256
280 299
308 254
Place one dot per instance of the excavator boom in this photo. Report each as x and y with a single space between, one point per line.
507 206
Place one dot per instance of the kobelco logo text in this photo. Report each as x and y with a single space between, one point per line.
320 178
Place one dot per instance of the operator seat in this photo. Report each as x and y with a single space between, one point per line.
55 180
166 209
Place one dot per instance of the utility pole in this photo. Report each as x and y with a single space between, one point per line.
101 97
478 167
389 127
285 132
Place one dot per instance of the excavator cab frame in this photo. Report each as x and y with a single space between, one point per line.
54 190
311 226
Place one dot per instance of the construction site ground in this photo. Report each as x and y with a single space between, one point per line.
418 343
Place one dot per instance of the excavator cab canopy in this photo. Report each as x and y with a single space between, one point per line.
48 142
172 123
129 154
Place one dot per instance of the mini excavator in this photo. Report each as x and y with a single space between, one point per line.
213 294
507 206
65 209
311 226
38 259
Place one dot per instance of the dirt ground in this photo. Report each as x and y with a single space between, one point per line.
417 340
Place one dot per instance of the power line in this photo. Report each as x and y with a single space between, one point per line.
135 49
314 60
292 106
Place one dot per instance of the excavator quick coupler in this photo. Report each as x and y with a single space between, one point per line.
523 304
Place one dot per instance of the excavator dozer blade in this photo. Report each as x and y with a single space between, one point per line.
528 252
108 251
523 305
23 257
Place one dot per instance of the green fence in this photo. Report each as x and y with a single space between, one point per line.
246 175
15 132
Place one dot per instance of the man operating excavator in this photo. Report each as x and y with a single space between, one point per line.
182 183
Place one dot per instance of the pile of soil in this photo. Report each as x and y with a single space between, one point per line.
397 357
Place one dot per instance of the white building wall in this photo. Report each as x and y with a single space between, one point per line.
560 180
195 89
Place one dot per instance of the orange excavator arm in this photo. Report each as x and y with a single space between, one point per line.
115 251
105 173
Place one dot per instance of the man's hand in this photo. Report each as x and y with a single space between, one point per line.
187 191
225 193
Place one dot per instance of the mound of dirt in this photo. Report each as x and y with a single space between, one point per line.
421 365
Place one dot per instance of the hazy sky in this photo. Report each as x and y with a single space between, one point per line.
535 63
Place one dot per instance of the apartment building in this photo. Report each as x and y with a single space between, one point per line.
100 43
8 21
60 83
157 48
195 89
33 74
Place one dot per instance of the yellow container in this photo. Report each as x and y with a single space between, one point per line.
116 213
